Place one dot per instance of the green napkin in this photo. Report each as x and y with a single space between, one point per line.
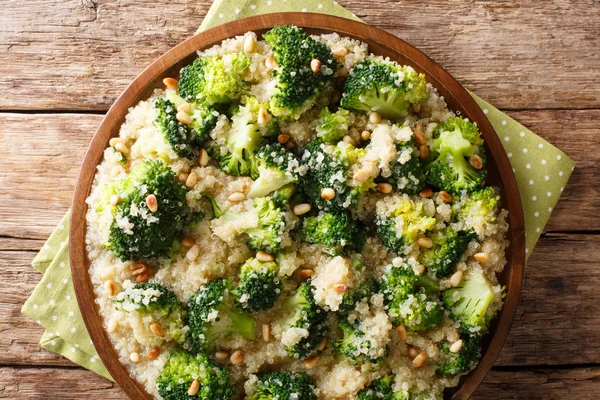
541 169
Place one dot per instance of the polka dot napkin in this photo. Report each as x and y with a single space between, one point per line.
542 171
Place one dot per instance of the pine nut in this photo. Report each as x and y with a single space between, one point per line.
170 83
134 357
425 242
187 242
412 353
420 359
343 72
283 138
222 355
184 118
263 116
157 329
322 344
270 63
203 158
113 325
237 357
456 278
424 150
362 175
121 148
426 193
401 331
113 141
305 273
365 135
114 199
327 194
194 388
193 253
374 117
152 203
182 176
249 44
339 51
384 188
340 288
416 107
236 197
153 353
482 257
476 161
191 180
185 107
456 346
289 144
137 268
349 140
301 209
445 196
418 133
263 256
266 332
420 269
311 362
315 65
110 287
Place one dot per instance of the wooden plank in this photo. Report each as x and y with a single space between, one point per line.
517 55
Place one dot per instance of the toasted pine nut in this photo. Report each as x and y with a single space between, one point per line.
110 287
482 257
305 273
401 331
182 176
365 135
301 209
447 197
134 357
184 118
426 193
283 138
424 150
340 288
311 362
113 325
121 148
420 359
456 346
456 278
152 203
315 65
203 158
420 269
263 116
412 352
384 188
349 140
153 353
339 51
221 355
187 242
194 388
114 199
170 83
418 133
113 141
476 161
322 344
425 242
236 197
343 72
362 175
374 117
137 268
191 180
249 43
416 107
193 253
157 329
266 332
263 256
270 63
185 107
289 144
144 277
327 194
237 357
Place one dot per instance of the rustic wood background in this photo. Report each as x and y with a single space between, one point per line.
63 62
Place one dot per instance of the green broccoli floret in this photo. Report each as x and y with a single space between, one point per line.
469 302
283 386
204 117
160 302
354 296
183 368
212 316
452 364
407 177
217 212
381 389
356 345
338 232
305 313
277 167
331 127
479 208
259 285
286 197
411 300
214 79
177 134
400 220
449 167
329 167
297 87
383 86
136 232
448 247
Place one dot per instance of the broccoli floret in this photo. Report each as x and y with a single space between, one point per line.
381 389
452 364
136 232
297 87
356 345
286 197
448 247
217 212
338 232
204 117
283 386
212 316
183 368
401 224
277 167
305 313
259 285
354 296
332 127
179 136
214 79
385 87
411 300
479 208
407 177
448 167
468 302
329 167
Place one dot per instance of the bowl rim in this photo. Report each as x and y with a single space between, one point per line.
141 87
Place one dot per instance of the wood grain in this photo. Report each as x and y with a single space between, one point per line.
517 55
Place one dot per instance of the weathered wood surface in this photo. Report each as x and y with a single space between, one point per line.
80 54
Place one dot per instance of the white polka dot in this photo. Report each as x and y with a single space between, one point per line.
71 313
38 322
221 15
509 155
560 173
514 170
531 181
546 177
320 6
93 359
68 297
61 227
526 251
304 10
503 122
57 333
73 349
46 247
53 342
534 198
541 145
73 330
237 10
525 150
65 281
537 229
572 168
76 346
550 209
269 3
506 138
63 242
52 302
485 110
521 134
54 318
549 194
561 189
49 286
543 162
527 166
62 264
253 7
35 306
537 214
558 157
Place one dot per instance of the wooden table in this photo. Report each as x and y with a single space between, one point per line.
63 62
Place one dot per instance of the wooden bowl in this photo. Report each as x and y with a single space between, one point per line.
380 43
